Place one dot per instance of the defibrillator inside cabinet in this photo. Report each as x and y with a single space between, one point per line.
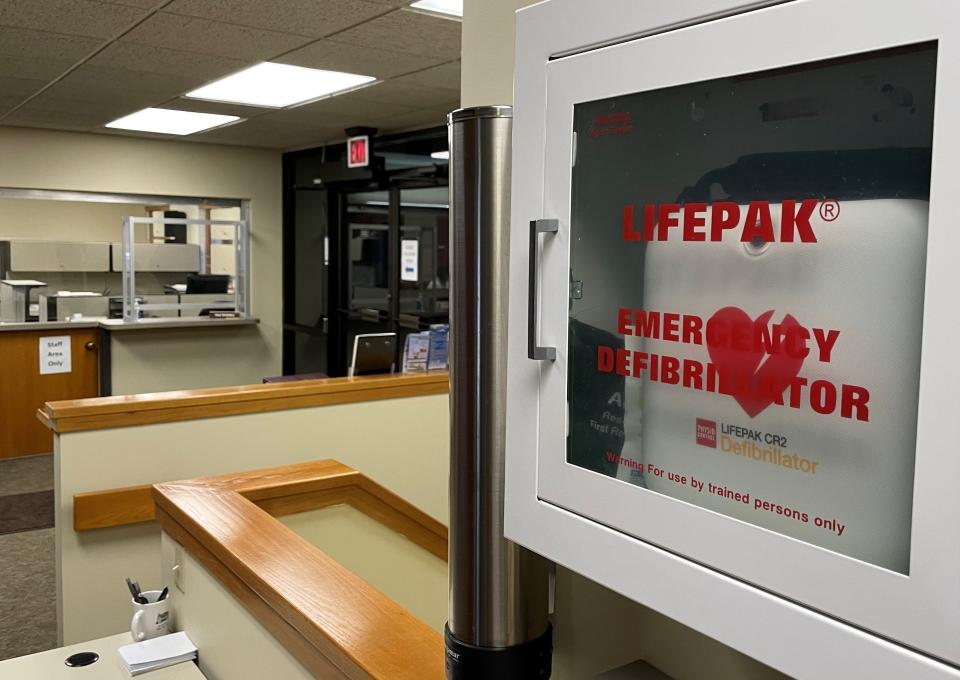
756 228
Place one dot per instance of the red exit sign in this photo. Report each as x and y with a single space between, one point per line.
358 152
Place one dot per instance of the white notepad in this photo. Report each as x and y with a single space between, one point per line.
160 652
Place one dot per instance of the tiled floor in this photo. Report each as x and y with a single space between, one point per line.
28 597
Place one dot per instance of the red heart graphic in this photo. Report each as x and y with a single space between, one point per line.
736 345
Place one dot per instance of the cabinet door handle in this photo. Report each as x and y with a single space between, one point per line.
535 351
90 346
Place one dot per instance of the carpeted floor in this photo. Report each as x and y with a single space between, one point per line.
22 475
28 592
26 512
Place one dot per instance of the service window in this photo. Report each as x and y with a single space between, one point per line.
744 241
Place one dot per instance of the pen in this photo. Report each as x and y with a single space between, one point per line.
135 592
163 594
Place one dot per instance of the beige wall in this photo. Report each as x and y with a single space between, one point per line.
412 576
46 220
486 72
47 159
232 643
401 443
595 629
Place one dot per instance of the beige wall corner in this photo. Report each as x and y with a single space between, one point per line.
489 32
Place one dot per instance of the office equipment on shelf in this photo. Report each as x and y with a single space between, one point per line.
160 652
207 283
373 353
65 304
15 298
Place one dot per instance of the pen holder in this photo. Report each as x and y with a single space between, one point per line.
152 619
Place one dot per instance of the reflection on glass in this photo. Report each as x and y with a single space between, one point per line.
424 257
368 250
747 261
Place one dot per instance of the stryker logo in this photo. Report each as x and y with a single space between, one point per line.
707 433
755 223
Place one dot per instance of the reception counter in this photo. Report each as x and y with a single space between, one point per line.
43 362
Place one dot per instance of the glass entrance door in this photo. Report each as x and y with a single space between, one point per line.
369 265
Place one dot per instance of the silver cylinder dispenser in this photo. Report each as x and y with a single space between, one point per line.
498 628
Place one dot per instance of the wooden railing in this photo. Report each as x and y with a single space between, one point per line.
332 621
165 407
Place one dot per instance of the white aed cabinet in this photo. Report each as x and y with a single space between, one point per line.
730 373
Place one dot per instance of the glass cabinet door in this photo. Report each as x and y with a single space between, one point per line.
747 245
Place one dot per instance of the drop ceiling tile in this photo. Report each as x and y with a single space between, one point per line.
70 17
108 83
153 59
397 91
60 120
345 107
142 4
192 34
445 76
307 120
19 88
338 56
51 102
32 68
42 45
409 32
7 102
414 121
272 134
315 18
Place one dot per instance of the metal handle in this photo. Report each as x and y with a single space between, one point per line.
534 351
90 346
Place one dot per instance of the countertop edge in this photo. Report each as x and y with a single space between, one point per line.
118 325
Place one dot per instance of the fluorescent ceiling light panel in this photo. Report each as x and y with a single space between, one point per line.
441 155
171 121
278 85
452 8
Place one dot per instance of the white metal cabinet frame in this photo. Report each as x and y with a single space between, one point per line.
920 610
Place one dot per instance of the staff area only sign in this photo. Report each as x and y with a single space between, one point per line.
752 255
55 355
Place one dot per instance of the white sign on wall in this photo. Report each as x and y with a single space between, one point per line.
55 355
409 259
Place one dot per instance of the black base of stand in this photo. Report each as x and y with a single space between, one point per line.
527 661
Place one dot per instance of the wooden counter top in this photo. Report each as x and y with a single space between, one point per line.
163 407
335 623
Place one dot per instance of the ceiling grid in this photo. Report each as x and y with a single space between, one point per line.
78 64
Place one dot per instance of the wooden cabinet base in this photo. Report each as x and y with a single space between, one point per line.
23 389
